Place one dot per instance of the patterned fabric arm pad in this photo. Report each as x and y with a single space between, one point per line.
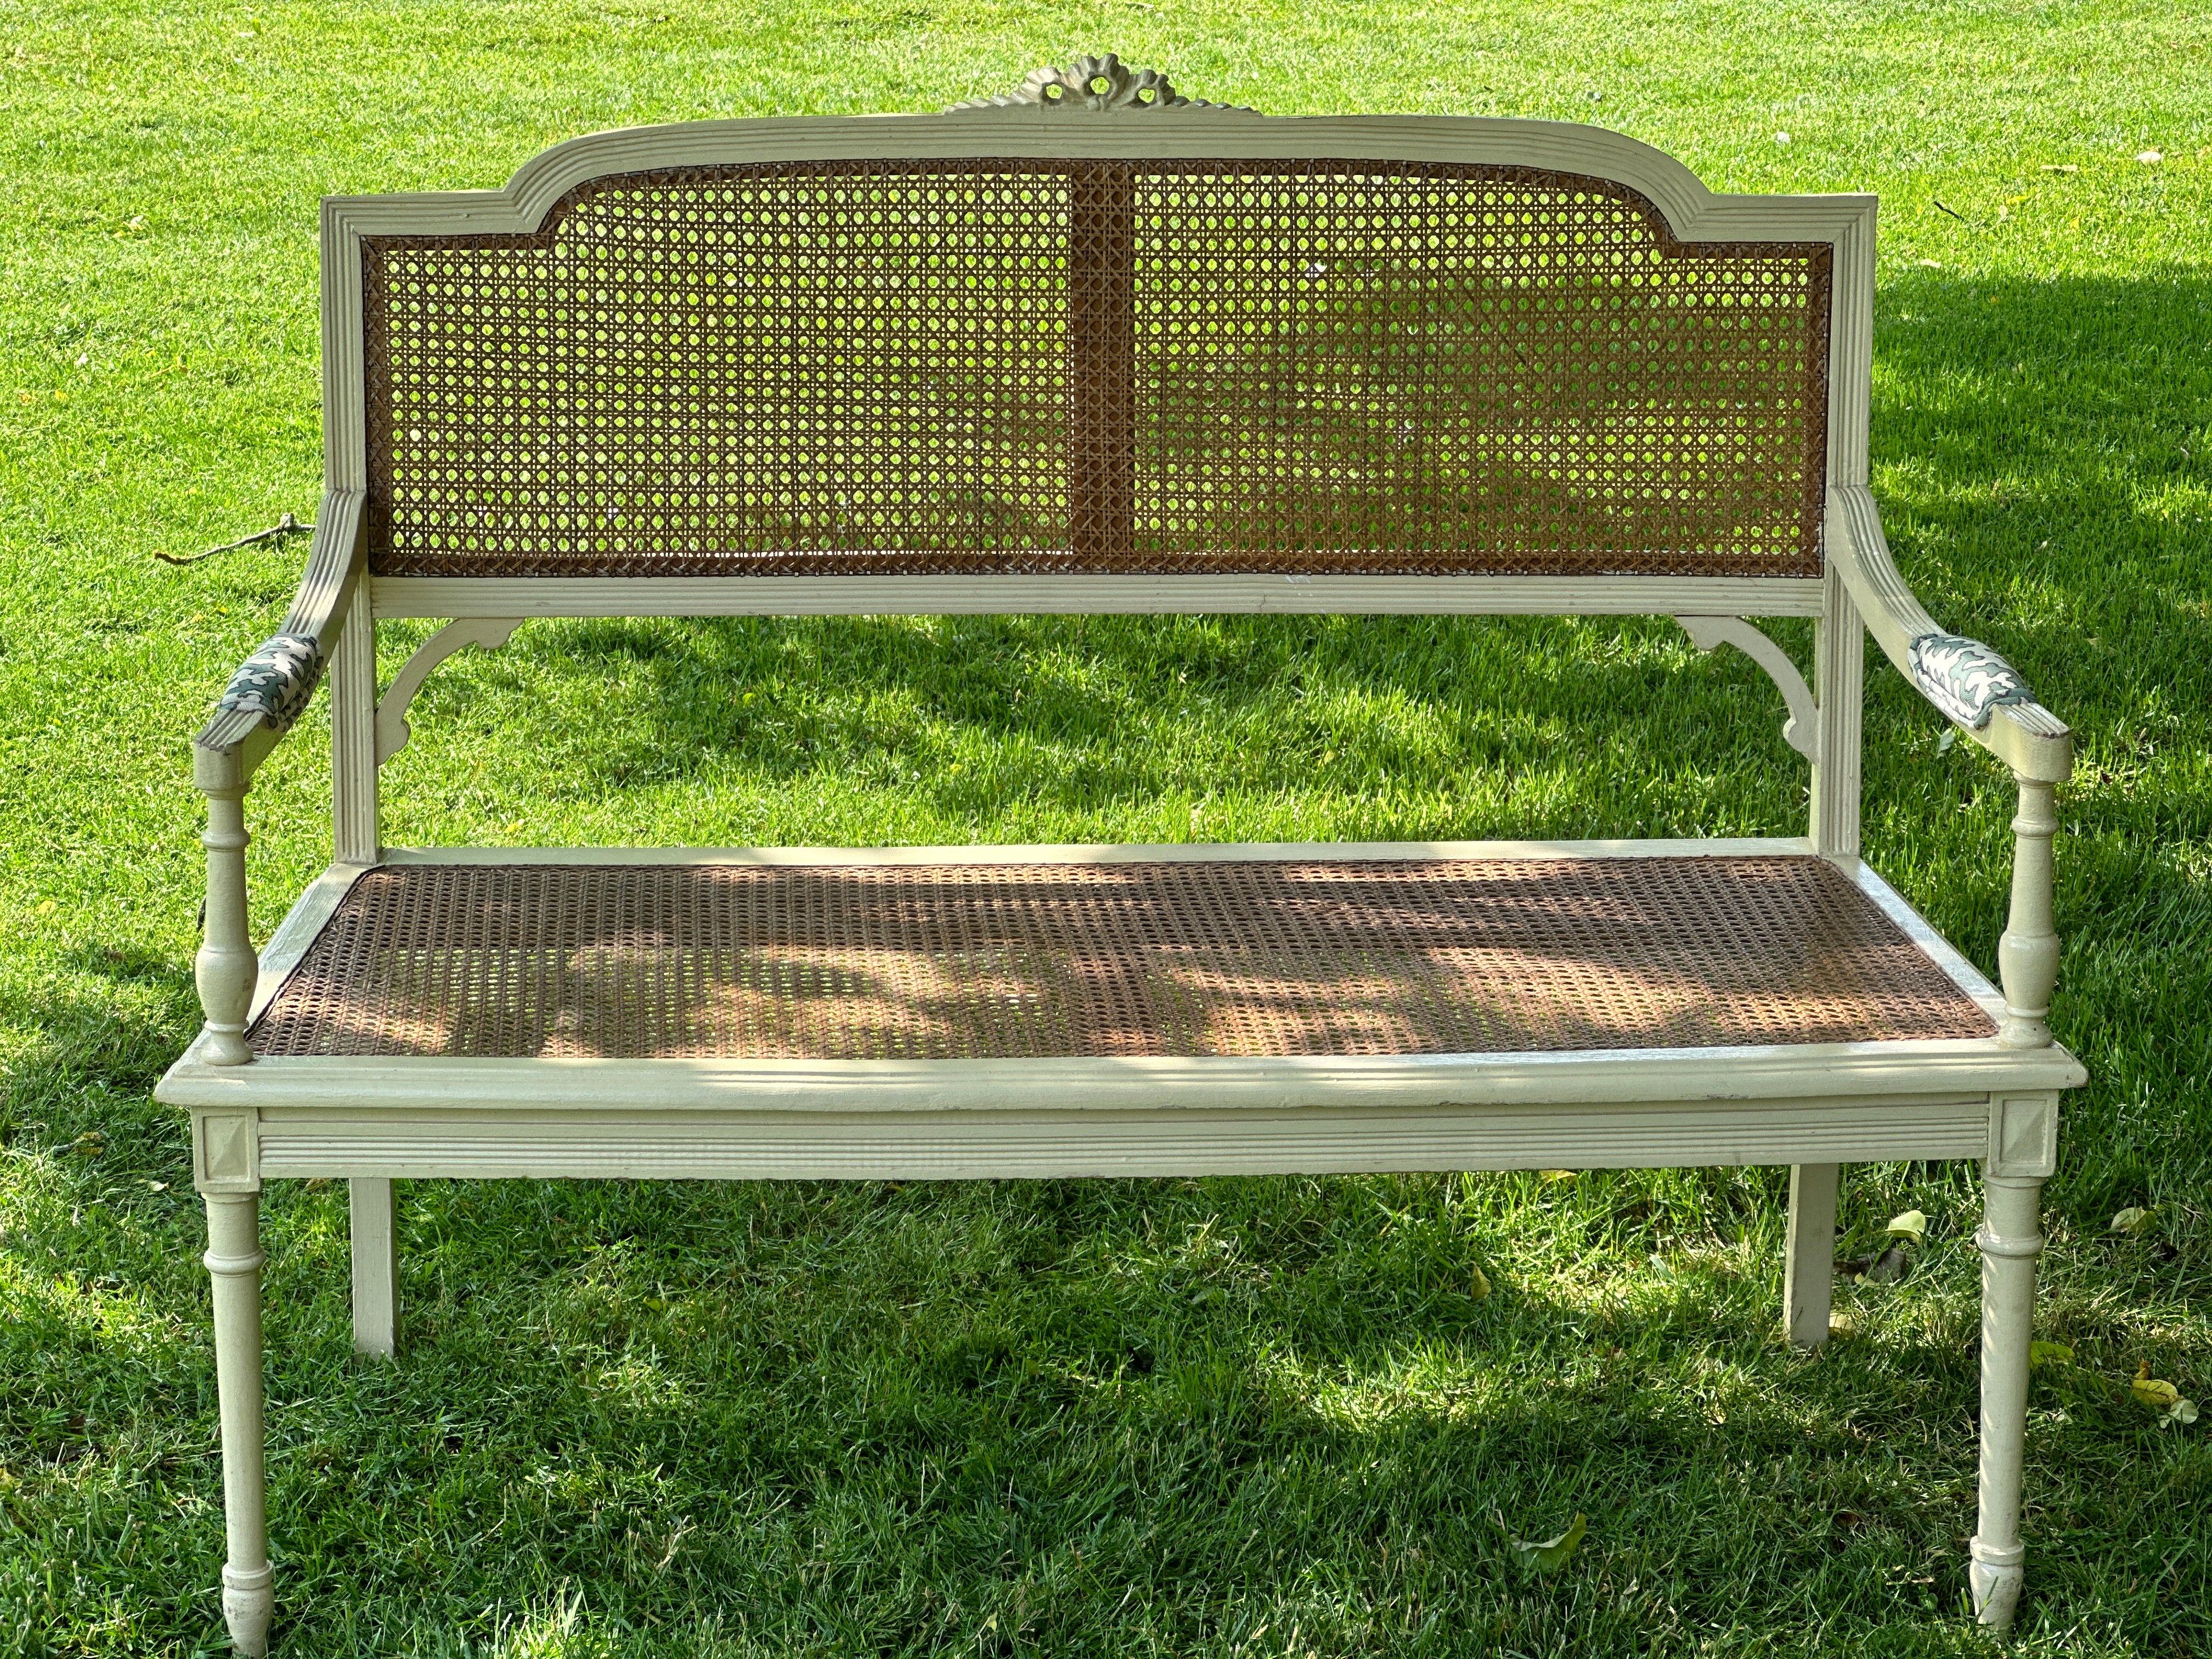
1965 680
277 682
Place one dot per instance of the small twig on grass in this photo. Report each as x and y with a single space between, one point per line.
287 525
1953 211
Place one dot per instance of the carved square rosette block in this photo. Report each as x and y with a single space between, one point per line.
2024 1135
226 1150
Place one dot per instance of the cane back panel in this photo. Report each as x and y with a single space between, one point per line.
971 366
955 961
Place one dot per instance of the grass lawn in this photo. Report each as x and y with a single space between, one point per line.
1267 1416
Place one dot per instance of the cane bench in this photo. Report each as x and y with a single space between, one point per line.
1096 347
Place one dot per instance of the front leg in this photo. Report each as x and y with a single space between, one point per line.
234 1259
2009 1244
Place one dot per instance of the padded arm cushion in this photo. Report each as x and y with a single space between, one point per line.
1969 683
277 681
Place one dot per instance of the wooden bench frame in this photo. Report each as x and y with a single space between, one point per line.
1814 1107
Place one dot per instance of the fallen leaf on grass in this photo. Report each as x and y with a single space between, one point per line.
2130 1220
2040 1354
1479 1285
1550 1175
1911 1224
1552 1553
2162 1397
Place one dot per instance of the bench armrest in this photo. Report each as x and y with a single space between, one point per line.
1979 691
1983 694
269 692
263 702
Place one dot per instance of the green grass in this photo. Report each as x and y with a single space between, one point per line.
1229 1417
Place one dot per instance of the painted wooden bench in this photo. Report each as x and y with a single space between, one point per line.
1099 348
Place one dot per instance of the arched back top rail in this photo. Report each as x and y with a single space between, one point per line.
1188 344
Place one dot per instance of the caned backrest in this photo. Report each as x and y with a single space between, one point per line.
1150 342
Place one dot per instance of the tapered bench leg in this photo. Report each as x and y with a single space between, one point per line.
234 1257
375 1268
1808 1278
2010 1243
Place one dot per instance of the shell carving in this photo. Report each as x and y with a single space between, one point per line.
1104 85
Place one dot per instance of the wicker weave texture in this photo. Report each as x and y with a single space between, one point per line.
1185 958
964 368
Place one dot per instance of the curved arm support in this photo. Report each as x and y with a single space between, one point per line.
263 702
393 730
1969 683
1988 701
267 695
1802 731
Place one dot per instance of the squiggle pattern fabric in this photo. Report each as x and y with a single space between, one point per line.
1964 678
276 682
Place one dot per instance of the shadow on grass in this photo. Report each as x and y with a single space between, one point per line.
979 1414
2040 450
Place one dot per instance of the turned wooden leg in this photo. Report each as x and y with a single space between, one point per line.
375 1268
2009 1244
1808 1278
234 1258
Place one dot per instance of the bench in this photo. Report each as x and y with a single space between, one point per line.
1096 347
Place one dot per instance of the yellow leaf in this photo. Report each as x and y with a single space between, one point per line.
1911 1224
1479 1285
2154 1392
1548 1175
48 908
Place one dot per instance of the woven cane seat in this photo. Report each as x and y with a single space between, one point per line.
982 961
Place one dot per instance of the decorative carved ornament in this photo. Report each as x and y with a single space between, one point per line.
1102 84
277 682
1964 678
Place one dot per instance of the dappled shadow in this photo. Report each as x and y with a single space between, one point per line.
2043 452
896 1406
88 1042
2038 454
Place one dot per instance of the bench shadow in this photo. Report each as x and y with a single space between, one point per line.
2038 452
1219 1427
2037 444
